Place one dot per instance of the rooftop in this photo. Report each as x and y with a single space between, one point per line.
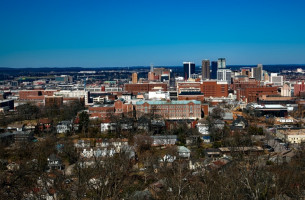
169 102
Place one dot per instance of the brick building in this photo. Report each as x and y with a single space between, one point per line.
253 94
252 90
170 110
101 111
122 108
144 87
299 88
207 89
50 101
35 94
215 88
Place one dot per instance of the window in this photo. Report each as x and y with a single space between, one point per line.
191 109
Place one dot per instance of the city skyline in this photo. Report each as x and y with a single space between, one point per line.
120 33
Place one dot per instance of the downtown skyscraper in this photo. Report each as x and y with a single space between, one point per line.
257 72
213 75
205 69
188 69
221 63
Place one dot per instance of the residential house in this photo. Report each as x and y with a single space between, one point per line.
160 140
193 140
203 126
64 127
239 123
55 163
44 125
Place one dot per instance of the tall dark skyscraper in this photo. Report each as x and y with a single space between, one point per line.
189 68
206 69
214 70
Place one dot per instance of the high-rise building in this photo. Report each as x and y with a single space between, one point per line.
224 75
213 75
206 69
134 77
189 68
257 72
151 76
221 64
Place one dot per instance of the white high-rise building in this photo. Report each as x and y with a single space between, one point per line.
224 75
221 63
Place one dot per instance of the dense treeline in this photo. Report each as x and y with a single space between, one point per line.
30 111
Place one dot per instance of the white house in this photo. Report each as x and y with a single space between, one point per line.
64 127
159 140
107 126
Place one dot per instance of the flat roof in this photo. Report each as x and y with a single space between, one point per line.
184 102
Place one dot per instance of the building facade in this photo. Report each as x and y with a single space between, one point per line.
224 75
188 68
144 87
214 67
170 110
221 63
134 77
206 69
257 72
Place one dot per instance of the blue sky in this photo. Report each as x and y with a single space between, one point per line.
140 32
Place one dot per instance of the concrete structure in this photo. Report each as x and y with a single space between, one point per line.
257 72
224 75
70 93
157 95
221 63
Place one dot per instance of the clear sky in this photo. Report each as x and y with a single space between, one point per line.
60 33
